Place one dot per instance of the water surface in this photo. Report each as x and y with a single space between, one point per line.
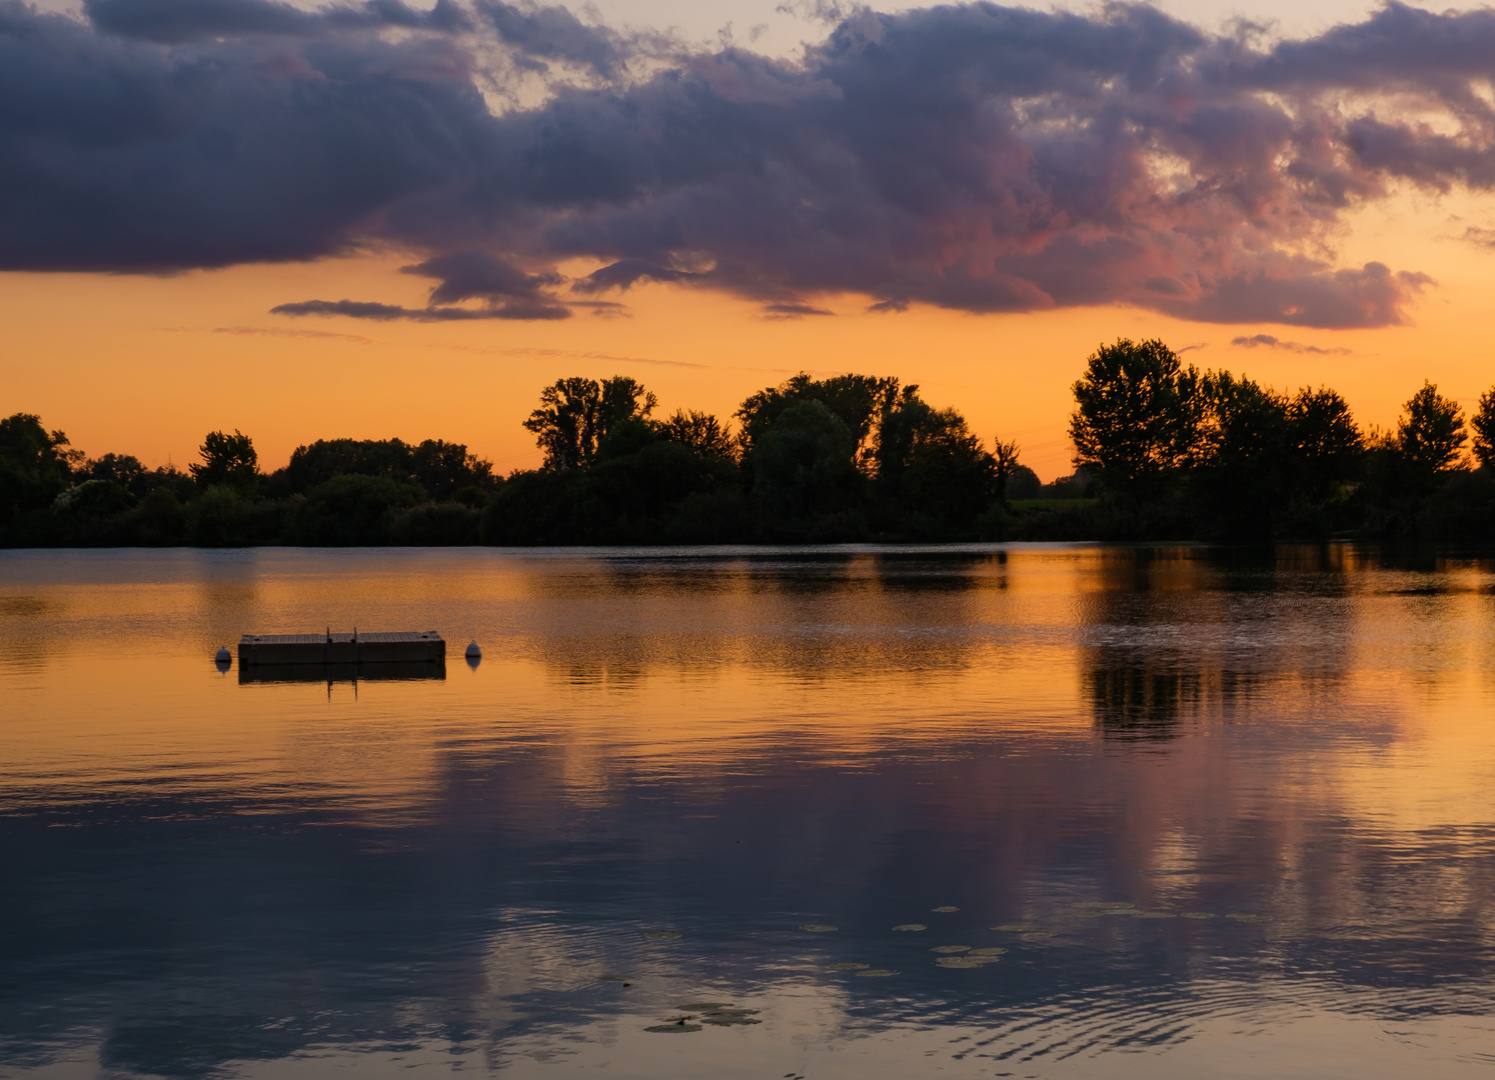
1154 812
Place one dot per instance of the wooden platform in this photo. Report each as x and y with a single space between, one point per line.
408 647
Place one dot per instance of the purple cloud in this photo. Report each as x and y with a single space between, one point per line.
973 157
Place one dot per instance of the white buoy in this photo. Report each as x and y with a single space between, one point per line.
473 652
223 659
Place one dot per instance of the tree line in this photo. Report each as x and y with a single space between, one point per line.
1163 450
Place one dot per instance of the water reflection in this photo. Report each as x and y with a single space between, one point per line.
1195 806
403 671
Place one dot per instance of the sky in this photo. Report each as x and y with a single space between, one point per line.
371 219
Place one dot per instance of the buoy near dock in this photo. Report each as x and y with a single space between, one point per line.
223 658
473 652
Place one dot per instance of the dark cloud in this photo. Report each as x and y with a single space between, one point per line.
190 20
792 311
625 273
974 157
1267 341
541 33
367 309
466 275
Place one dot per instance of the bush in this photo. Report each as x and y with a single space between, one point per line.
436 525
352 510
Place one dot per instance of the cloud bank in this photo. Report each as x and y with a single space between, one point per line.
974 157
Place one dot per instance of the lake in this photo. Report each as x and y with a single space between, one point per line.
1021 810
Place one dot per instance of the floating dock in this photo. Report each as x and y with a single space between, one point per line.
256 650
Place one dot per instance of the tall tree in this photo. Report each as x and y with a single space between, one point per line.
576 414
1430 434
1328 448
1136 419
703 433
229 461
949 478
1483 424
853 399
1004 464
35 465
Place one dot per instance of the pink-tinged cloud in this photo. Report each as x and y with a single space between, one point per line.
973 157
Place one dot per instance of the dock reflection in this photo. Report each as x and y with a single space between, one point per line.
403 671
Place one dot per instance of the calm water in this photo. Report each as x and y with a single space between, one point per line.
1227 815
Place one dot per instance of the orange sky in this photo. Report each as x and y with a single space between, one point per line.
146 365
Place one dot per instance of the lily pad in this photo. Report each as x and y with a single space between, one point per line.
849 967
993 951
1037 935
661 935
1016 928
951 948
1245 916
1198 915
876 973
1153 915
965 963
675 1026
721 1014
945 910
911 926
819 928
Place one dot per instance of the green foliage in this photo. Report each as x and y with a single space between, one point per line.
643 489
442 469
122 469
805 478
436 525
949 479
159 520
1136 419
1163 452
1023 484
219 517
576 414
352 510
855 400
228 461
35 466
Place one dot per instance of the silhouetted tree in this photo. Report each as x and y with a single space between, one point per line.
803 469
35 465
446 468
703 433
1328 449
1004 464
575 415
228 461
123 469
949 477
1430 434
1137 416
1483 424
853 399
1024 484
1241 455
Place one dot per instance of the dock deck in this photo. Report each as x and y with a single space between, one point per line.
407 647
